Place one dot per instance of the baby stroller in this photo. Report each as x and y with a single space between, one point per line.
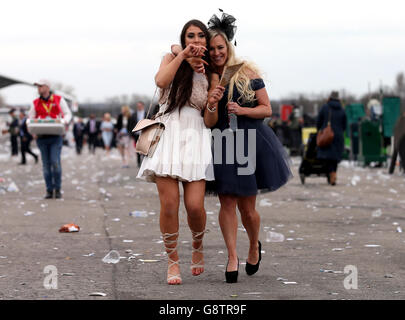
310 164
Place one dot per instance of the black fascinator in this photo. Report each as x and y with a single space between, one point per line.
226 24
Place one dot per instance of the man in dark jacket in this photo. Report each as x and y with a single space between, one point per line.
26 139
78 133
332 153
13 129
92 130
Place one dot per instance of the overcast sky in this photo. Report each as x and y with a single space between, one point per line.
106 48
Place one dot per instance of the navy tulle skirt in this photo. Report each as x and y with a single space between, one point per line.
257 163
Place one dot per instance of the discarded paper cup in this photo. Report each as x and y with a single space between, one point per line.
112 257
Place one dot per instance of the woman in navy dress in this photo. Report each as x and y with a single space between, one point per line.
247 161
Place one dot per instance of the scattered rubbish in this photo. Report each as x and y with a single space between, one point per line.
274 237
395 224
233 295
337 249
281 279
148 261
89 255
399 229
116 219
372 245
12 187
289 282
265 203
393 191
388 276
112 257
377 213
333 293
29 213
138 214
128 241
97 294
2 277
253 293
71 227
354 180
326 271
68 274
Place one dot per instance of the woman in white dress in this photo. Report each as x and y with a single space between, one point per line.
184 151
107 128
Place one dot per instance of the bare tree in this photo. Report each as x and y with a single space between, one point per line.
399 87
64 88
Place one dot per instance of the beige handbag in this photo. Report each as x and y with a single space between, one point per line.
151 131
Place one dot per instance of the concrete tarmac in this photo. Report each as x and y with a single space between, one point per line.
353 227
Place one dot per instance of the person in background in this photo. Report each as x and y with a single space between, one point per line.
107 129
53 106
333 153
140 114
124 126
13 129
78 133
92 131
26 139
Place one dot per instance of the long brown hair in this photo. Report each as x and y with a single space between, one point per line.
182 85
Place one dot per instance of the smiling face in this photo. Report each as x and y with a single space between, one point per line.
218 51
194 35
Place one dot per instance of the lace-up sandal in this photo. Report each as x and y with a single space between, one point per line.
199 264
172 279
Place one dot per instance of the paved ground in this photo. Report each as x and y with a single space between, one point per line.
326 229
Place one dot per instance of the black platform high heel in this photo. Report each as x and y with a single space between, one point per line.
251 269
231 276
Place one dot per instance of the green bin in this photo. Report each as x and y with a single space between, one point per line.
371 143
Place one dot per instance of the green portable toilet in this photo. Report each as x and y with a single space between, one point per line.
371 143
391 111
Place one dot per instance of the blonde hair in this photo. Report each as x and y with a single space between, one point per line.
126 111
107 116
242 78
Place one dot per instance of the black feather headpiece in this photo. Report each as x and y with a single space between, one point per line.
226 24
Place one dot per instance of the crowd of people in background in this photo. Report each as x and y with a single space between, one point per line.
104 133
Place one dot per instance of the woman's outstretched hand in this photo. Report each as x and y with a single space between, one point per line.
193 50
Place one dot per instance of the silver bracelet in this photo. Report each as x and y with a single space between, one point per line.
211 110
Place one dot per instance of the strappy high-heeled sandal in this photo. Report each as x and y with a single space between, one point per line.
170 251
199 264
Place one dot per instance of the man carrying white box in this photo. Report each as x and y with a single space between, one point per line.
48 116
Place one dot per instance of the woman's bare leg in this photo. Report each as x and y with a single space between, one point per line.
228 222
194 193
169 222
251 222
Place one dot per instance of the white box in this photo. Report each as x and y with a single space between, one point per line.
45 126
